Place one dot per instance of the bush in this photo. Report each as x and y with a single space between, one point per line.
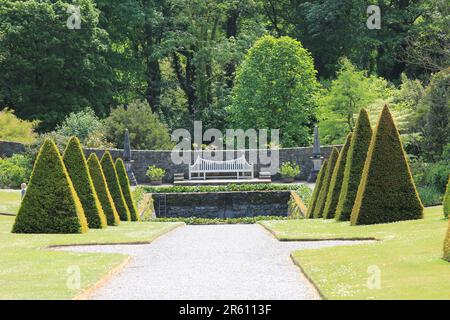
321 199
125 186
15 129
79 174
289 170
447 200
354 166
387 192
317 188
155 173
334 189
15 170
51 204
447 245
81 124
430 195
114 187
146 129
102 190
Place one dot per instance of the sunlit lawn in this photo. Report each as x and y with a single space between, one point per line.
9 201
408 257
30 271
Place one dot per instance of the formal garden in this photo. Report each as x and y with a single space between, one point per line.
343 165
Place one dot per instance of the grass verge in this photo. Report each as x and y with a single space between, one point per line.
9 201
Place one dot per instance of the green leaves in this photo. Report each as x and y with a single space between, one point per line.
125 186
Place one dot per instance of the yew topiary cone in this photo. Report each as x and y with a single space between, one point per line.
354 166
387 192
447 245
114 187
321 199
101 187
446 201
317 188
51 204
125 185
336 181
79 174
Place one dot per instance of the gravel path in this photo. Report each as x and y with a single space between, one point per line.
210 262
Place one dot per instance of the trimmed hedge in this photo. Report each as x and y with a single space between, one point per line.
317 188
321 199
101 187
446 201
387 192
51 204
125 185
354 166
447 245
114 186
334 189
79 174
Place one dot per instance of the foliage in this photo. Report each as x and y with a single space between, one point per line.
334 189
211 221
51 204
15 129
114 187
102 190
78 171
46 75
276 84
354 166
429 195
155 173
125 186
317 188
289 170
322 197
146 130
15 170
386 192
447 200
447 245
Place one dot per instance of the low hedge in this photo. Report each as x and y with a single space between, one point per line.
79 174
103 194
114 186
125 186
51 204
206 221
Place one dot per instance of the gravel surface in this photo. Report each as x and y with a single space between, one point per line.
210 262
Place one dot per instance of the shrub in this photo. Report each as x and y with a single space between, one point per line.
429 195
447 245
317 188
334 189
15 170
354 166
81 124
387 192
79 174
103 194
51 204
125 186
155 173
447 200
321 199
15 129
289 170
114 187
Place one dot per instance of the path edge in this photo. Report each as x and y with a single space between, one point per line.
307 277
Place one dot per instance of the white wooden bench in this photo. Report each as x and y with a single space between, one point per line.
203 167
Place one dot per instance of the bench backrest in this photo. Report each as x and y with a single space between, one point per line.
230 165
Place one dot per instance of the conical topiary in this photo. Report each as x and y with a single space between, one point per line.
447 245
447 200
318 210
354 166
317 188
51 204
114 187
334 189
79 174
125 185
387 192
101 187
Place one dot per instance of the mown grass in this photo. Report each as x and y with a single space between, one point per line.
408 257
29 270
9 201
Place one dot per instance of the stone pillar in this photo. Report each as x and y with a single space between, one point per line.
316 158
126 157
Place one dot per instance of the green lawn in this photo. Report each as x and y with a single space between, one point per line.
9 201
30 271
408 257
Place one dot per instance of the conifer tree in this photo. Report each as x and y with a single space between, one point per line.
318 210
317 188
125 185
